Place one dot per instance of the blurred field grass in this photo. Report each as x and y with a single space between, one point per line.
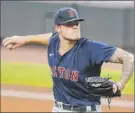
26 74
39 75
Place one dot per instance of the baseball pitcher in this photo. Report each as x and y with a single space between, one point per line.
76 63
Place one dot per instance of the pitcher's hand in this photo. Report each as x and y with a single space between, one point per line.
117 86
13 42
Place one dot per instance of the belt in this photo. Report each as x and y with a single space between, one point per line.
74 108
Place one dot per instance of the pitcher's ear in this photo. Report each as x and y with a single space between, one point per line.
57 28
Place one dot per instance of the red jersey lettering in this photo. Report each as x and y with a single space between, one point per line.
74 76
61 71
54 73
67 74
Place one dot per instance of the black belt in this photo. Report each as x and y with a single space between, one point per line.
75 108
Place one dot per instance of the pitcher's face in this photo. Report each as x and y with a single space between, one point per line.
70 30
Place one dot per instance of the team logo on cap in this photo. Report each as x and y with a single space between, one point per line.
71 13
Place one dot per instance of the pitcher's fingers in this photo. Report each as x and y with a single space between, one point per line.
15 46
9 46
8 42
4 40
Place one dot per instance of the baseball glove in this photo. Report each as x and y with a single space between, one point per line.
102 87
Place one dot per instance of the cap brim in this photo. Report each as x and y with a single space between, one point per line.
76 19
81 19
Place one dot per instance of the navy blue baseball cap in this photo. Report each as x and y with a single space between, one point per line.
65 15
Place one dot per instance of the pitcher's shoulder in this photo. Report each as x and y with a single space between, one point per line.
83 40
54 37
94 42
86 41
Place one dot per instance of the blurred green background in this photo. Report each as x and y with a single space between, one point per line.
39 75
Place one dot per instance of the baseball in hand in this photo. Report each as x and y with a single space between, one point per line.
9 46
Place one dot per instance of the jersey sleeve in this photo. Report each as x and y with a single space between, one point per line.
54 33
100 52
